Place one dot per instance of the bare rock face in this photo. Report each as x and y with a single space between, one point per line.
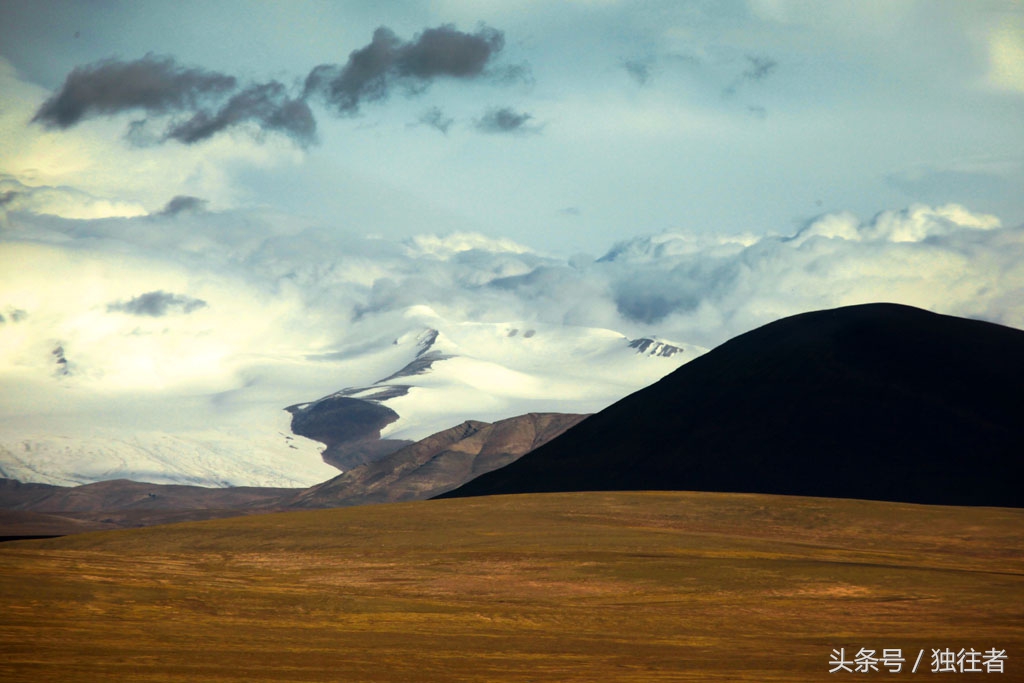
440 462
652 347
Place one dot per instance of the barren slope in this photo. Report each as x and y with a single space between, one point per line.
439 462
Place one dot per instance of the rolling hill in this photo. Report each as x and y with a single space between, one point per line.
877 401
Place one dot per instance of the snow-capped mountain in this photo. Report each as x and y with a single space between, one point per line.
489 371
427 373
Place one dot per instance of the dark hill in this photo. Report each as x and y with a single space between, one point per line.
878 401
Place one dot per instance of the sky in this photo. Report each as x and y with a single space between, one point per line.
196 198
581 123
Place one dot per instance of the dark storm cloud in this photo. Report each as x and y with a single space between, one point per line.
435 118
157 304
445 51
503 120
159 86
371 71
266 104
202 104
184 204
8 197
155 84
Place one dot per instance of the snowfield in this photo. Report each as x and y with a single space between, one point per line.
491 371
433 373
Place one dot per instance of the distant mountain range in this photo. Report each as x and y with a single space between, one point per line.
418 471
429 373
482 372
877 401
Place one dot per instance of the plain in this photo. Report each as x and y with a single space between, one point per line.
595 586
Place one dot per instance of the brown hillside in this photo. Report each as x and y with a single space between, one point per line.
440 462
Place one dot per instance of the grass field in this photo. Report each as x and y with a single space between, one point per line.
559 587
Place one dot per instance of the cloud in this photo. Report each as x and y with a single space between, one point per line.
760 67
59 201
190 105
157 304
183 204
155 84
446 246
915 224
509 74
705 289
86 171
266 104
285 293
638 69
436 119
371 71
504 120
946 259
281 313
444 51
161 87
14 315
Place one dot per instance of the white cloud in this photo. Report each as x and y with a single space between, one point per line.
289 310
278 291
61 201
445 246
914 224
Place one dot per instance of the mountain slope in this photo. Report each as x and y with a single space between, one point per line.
878 401
431 466
440 462
487 372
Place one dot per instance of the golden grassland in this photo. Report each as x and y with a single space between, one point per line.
554 587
